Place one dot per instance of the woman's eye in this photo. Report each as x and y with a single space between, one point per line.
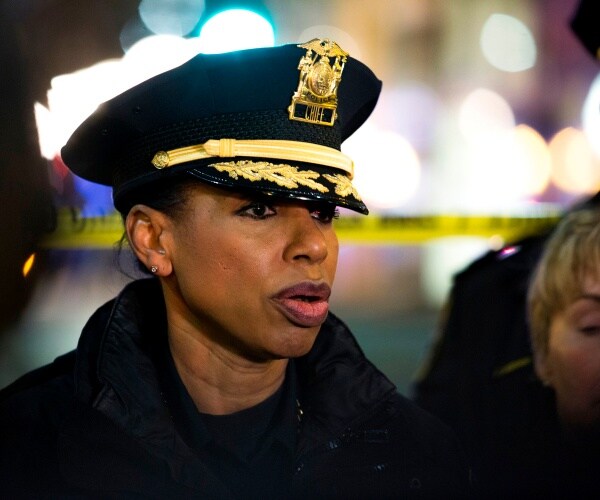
325 213
588 322
257 210
590 329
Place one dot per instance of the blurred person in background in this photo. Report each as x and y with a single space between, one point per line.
223 374
564 319
479 376
555 450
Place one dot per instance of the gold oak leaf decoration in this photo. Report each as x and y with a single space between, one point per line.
343 185
282 174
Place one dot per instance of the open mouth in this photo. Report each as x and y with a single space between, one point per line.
305 304
307 291
306 298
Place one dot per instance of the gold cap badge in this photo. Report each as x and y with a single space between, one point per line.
315 100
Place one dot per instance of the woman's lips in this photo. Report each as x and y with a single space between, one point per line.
305 304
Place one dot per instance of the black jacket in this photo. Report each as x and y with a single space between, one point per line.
94 424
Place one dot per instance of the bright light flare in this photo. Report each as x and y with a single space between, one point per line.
155 54
74 96
235 29
71 98
387 168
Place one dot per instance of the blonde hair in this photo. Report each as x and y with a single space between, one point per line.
571 253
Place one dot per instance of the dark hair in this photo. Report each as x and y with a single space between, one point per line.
169 196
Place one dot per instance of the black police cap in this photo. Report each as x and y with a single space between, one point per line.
270 120
584 23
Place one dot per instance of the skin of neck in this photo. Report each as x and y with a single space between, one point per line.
220 380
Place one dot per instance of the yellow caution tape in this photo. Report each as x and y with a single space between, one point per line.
422 228
76 231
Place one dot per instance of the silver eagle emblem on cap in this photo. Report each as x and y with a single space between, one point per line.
315 100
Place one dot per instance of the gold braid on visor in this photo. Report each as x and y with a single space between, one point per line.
282 150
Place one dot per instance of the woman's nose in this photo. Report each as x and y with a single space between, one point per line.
307 238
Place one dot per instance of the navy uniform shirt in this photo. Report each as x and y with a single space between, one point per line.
250 451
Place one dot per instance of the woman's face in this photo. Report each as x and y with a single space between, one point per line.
572 364
253 275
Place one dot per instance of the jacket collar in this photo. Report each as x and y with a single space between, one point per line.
338 385
116 374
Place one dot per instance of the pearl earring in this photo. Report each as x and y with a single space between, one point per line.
154 269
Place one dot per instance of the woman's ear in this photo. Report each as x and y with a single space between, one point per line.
146 229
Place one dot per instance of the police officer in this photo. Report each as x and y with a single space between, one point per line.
223 374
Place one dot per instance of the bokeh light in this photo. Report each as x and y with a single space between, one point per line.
575 167
28 265
68 105
235 29
387 168
507 44
591 115
504 163
507 167
171 17
411 110
532 156
484 112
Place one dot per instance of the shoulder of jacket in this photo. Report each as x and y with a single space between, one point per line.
517 256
